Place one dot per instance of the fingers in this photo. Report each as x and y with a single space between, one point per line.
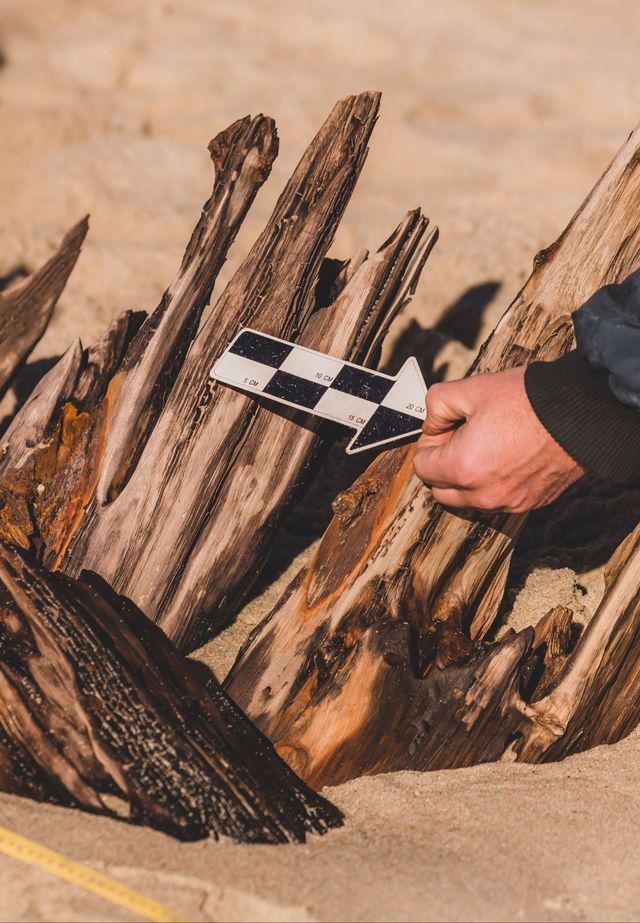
448 457
447 404
435 465
450 497
428 441
442 469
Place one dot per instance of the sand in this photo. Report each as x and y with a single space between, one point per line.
503 842
497 117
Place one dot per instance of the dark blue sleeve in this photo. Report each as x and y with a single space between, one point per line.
589 399
608 336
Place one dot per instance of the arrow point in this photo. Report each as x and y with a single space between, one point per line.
400 414
411 374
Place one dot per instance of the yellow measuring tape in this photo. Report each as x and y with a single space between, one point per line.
19 847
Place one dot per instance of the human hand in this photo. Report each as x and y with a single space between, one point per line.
484 447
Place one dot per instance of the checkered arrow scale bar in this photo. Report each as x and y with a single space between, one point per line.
379 407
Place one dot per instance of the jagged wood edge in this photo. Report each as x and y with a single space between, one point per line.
95 701
387 622
26 306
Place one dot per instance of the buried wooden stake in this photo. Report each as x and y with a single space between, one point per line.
96 702
374 658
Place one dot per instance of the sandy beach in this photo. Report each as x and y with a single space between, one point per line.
497 118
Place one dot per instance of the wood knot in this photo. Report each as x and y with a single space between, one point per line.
543 255
356 500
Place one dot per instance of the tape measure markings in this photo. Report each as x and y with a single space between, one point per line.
20 847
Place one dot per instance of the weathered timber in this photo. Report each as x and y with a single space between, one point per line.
165 496
26 306
249 505
95 702
127 458
52 436
398 583
160 540
105 436
553 637
242 155
595 698
160 515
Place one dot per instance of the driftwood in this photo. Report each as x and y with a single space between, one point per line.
129 461
180 482
87 712
129 458
375 657
26 306
50 438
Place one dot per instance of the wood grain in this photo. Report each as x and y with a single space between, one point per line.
242 156
99 711
594 700
172 486
26 306
212 449
129 460
50 443
315 676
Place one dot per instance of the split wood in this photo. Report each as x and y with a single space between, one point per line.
129 461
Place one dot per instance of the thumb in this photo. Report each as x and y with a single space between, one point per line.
434 464
448 404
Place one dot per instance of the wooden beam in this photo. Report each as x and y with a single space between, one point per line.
99 711
145 539
397 581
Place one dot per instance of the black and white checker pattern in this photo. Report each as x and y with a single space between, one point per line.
381 407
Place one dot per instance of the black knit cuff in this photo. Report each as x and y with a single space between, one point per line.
574 403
